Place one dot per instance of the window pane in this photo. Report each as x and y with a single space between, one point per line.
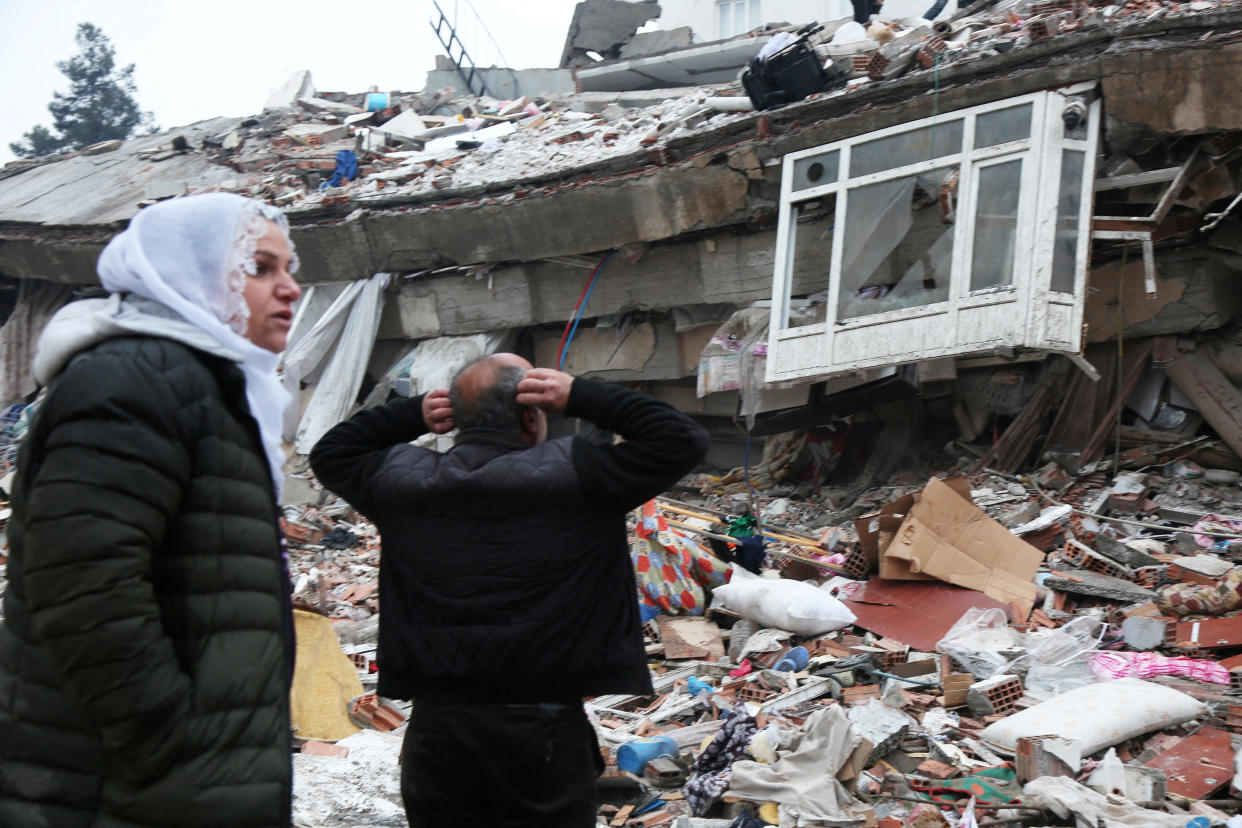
756 19
1005 125
906 148
816 170
723 13
996 225
898 248
1069 204
810 259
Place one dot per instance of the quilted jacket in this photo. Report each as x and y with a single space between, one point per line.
506 573
143 654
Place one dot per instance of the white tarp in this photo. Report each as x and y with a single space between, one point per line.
433 363
334 355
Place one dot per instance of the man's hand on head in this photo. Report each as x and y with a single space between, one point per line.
546 389
438 411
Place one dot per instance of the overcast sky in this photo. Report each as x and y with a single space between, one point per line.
201 60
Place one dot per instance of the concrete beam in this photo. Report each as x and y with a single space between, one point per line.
506 83
722 268
1196 290
658 204
1187 91
58 257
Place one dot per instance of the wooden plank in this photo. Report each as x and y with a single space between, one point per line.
1175 188
1085 401
1137 179
1134 362
1213 394
1009 453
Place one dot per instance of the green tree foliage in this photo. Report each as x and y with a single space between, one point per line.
99 105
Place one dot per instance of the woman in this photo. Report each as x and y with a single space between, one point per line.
145 653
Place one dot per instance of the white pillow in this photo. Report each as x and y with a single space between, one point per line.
1097 715
785 604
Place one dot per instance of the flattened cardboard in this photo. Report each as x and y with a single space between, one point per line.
690 637
882 527
883 522
949 538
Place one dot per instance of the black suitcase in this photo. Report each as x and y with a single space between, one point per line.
790 75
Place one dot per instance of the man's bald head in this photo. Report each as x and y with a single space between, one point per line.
484 394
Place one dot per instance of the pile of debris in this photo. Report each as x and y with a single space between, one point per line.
310 149
1059 663
1038 650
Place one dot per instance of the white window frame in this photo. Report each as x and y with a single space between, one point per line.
749 8
1027 312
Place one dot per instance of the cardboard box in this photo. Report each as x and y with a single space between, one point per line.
947 537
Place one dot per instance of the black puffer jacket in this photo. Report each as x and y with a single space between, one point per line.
143 669
506 574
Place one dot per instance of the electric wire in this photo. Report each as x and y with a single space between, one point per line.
575 316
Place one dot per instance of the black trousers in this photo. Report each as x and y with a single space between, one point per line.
499 766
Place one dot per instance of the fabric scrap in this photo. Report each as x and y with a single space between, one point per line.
1194 599
1063 796
714 765
803 778
1115 665
674 574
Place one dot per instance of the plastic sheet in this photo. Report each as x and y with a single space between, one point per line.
337 349
1070 643
978 639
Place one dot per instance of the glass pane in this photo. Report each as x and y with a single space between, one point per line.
898 246
996 225
906 148
816 170
1012 124
810 260
1069 204
756 20
723 13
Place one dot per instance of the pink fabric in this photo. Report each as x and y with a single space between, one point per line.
1214 523
1115 665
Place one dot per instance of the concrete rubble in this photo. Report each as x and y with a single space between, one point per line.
923 727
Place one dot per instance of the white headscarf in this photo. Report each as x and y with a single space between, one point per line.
192 255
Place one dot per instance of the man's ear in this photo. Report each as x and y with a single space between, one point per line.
530 421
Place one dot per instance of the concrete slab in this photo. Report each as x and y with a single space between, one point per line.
717 62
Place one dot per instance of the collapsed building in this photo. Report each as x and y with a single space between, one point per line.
678 238
999 240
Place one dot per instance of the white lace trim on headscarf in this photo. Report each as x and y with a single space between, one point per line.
192 256
252 226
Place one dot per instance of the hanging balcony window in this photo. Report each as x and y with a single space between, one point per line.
948 236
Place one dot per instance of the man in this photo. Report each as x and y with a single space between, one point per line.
506 585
